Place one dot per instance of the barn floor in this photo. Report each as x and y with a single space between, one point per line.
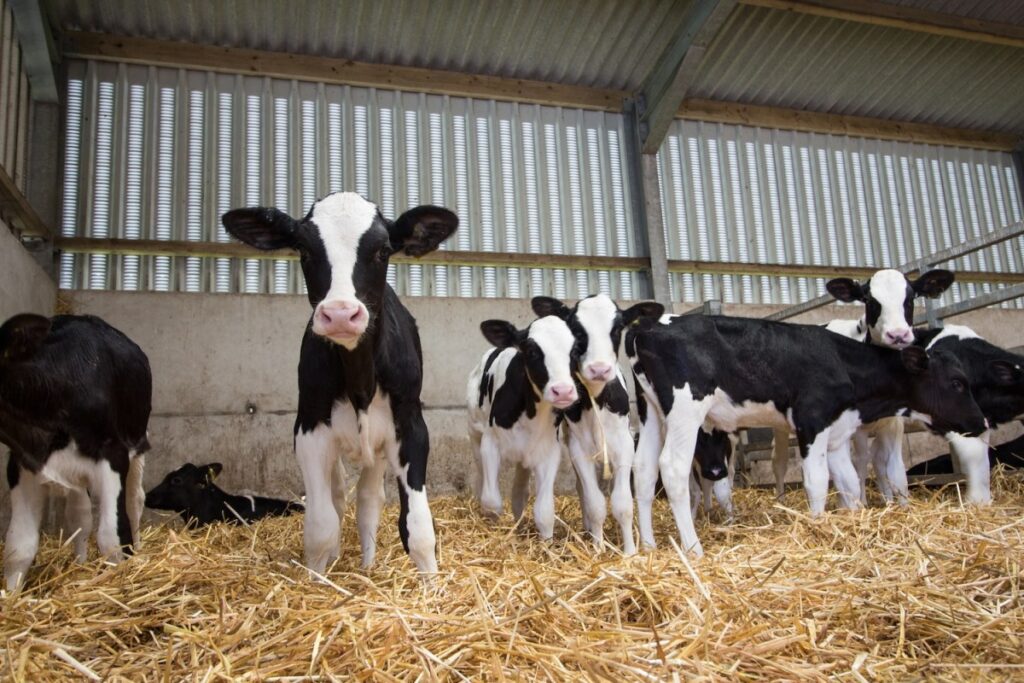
933 590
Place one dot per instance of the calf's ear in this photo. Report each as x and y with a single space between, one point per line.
644 309
915 360
845 289
22 335
499 333
545 305
261 227
1004 373
933 283
213 470
421 230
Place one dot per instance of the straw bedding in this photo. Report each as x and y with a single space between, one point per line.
934 590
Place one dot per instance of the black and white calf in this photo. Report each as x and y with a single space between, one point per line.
996 378
360 366
601 417
888 298
729 373
75 398
513 396
190 491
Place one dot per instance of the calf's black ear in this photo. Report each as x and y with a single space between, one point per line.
845 289
261 227
499 333
545 305
421 230
644 309
213 470
1005 373
933 283
22 335
915 360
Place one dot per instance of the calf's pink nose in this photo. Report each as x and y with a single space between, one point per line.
563 392
599 371
899 336
341 317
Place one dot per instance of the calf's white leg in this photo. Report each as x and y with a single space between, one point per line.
78 520
815 468
22 539
887 455
316 452
860 453
135 496
645 472
369 503
520 490
490 462
621 446
676 461
544 497
973 455
106 484
844 475
591 498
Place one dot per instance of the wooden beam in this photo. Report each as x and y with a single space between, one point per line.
907 18
665 87
124 247
17 212
36 48
836 124
234 60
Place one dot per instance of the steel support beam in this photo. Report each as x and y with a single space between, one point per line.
38 51
665 87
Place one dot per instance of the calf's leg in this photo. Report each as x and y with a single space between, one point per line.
78 520
22 541
645 471
316 451
415 522
780 459
973 454
592 502
369 503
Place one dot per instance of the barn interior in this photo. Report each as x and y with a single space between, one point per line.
714 155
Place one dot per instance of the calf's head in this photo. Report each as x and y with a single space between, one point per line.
549 353
185 488
888 299
939 388
20 337
597 323
344 245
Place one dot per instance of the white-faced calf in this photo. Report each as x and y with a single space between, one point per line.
601 417
360 366
734 372
190 491
888 298
513 396
75 398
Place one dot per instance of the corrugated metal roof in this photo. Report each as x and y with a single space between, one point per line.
599 43
762 56
997 11
801 61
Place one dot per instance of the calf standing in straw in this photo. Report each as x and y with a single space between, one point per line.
512 397
599 423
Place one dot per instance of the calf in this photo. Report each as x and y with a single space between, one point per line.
75 399
735 372
513 396
997 381
888 298
360 366
190 491
601 417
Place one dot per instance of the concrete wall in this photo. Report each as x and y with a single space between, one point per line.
24 288
225 388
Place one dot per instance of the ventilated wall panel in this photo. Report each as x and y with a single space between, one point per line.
157 153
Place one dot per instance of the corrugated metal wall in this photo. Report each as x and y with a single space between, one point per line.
736 193
158 153
15 101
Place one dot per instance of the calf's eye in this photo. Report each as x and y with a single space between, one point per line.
383 253
959 386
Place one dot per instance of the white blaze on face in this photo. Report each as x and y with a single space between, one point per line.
597 316
555 340
342 218
889 288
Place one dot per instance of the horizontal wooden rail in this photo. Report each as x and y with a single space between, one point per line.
123 247
17 212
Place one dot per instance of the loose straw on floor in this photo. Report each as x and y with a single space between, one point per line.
933 590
